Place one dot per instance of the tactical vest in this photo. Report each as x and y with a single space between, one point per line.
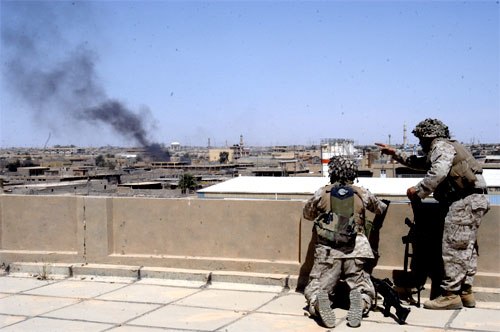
462 176
337 228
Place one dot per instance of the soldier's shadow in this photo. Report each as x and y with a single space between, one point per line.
307 265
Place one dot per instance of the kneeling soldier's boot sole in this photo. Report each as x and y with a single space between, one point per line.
355 313
324 310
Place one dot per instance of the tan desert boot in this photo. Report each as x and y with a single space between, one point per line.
444 302
467 297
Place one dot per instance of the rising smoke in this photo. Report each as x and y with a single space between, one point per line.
57 82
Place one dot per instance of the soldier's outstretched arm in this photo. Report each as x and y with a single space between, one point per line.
386 149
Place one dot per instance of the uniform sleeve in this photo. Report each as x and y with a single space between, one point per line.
371 202
312 209
412 161
441 159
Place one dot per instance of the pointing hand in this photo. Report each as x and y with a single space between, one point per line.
386 149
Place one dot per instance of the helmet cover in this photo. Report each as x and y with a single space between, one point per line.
431 128
342 169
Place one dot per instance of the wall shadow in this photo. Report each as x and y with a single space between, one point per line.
306 267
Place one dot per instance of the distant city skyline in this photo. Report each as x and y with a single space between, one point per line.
129 73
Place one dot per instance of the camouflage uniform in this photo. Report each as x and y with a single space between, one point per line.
465 209
329 263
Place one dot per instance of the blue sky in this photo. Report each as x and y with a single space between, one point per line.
276 72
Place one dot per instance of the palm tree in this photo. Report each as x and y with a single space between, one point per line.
223 157
187 182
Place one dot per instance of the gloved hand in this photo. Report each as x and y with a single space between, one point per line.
386 149
412 194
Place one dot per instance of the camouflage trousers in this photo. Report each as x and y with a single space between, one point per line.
459 241
327 270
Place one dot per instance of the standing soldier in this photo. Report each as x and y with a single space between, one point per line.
454 177
338 211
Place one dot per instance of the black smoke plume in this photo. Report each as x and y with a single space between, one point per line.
57 81
119 118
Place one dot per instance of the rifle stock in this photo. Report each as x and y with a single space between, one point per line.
385 288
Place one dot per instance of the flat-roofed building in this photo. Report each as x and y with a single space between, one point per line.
32 171
300 188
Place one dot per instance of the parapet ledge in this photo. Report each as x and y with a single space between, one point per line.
124 273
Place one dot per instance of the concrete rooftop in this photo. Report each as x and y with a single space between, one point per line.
93 303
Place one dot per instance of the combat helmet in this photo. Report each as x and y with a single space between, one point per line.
342 169
431 128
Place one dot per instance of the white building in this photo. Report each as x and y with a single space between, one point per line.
331 147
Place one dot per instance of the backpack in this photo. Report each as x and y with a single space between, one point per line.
337 228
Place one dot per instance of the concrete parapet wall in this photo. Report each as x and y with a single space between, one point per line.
257 236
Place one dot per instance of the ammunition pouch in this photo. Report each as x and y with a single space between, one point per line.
447 193
330 235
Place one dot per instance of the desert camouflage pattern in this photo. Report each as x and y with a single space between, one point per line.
320 203
463 218
326 273
459 240
437 162
330 263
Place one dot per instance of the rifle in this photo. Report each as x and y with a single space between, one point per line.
414 274
385 288
408 240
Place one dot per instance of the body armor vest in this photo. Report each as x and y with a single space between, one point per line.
337 228
462 175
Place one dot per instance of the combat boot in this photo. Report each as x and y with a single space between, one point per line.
448 300
324 310
355 313
467 296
